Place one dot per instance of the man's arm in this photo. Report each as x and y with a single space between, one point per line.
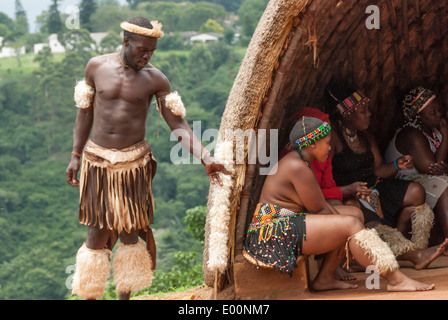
83 126
185 135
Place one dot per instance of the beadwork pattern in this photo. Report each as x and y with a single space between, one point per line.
416 101
348 105
313 136
275 237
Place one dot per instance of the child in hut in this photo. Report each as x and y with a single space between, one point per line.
424 135
293 218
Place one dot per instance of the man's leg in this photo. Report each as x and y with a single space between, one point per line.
92 265
132 265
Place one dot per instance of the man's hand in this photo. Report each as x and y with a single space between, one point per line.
213 168
72 172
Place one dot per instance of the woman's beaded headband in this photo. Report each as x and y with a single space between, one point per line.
313 136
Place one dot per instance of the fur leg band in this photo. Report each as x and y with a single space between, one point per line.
395 239
83 95
376 249
422 222
132 267
92 272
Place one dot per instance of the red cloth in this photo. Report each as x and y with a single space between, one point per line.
322 170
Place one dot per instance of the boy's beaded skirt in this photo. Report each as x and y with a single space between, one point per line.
275 237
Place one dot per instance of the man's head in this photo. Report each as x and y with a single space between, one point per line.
141 26
140 41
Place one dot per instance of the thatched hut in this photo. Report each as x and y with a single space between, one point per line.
297 48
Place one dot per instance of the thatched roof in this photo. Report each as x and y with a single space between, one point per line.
297 48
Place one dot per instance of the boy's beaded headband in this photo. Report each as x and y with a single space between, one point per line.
314 135
155 32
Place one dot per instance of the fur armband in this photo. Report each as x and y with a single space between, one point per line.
83 95
173 101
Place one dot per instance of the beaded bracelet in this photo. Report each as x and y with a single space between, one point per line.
76 154
395 165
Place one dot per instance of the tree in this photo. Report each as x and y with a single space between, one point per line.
86 9
21 24
250 13
111 42
54 23
197 14
108 17
229 5
7 21
211 26
134 3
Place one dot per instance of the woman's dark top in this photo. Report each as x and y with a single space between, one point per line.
349 166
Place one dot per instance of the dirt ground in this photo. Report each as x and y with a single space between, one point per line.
437 273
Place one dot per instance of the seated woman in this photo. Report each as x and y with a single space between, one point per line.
335 195
393 202
293 218
424 135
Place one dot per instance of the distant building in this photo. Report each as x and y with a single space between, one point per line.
6 52
57 47
205 37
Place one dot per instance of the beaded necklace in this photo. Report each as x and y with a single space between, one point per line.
434 139
351 137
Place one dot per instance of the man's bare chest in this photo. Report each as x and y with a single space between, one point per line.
131 87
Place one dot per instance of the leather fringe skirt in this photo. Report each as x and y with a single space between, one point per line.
116 187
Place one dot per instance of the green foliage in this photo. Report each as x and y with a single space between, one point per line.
86 9
250 13
185 272
195 221
54 22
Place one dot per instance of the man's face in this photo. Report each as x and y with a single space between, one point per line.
139 51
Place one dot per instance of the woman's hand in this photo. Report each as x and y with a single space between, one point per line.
438 168
405 162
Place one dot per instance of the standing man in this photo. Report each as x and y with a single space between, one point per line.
117 163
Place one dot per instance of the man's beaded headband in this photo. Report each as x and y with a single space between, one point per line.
313 136
155 32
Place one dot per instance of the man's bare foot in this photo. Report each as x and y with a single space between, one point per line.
401 283
324 283
426 256
341 274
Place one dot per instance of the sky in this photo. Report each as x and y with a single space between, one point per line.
34 8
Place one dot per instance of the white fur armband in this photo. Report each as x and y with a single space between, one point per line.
173 101
83 95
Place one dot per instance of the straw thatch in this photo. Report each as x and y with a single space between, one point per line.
297 48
